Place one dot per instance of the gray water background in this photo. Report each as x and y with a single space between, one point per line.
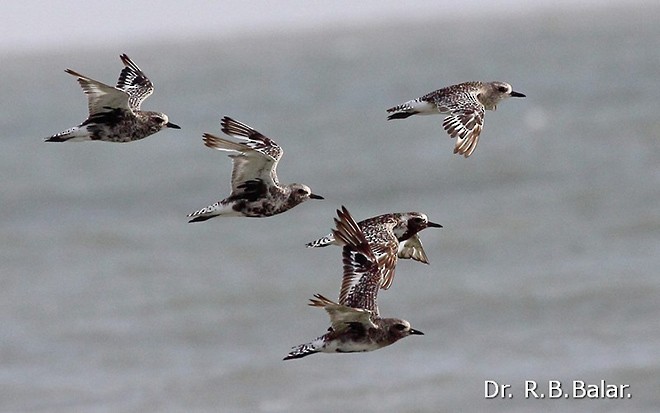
546 268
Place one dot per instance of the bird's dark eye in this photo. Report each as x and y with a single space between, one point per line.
158 119
418 220
503 89
399 327
301 191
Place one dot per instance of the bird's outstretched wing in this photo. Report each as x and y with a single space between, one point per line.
254 157
466 114
465 124
342 316
413 248
362 272
101 97
134 82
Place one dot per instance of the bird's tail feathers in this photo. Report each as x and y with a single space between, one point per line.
75 134
400 115
411 107
304 350
321 242
205 213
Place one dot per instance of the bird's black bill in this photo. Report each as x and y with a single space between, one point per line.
433 225
314 196
517 95
172 125
416 332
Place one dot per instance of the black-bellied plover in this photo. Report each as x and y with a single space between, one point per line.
356 325
114 112
390 235
465 103
255 189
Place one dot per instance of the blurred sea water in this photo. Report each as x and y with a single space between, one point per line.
546 268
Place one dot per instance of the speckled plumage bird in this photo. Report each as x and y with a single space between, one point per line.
465 103
356 325
390 236
114 112
255 188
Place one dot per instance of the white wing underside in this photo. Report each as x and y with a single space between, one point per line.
100 96
341 315
412 248
248 164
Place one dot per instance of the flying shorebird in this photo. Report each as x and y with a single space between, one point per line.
465 103
255 189
114 112
356 325
390 236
